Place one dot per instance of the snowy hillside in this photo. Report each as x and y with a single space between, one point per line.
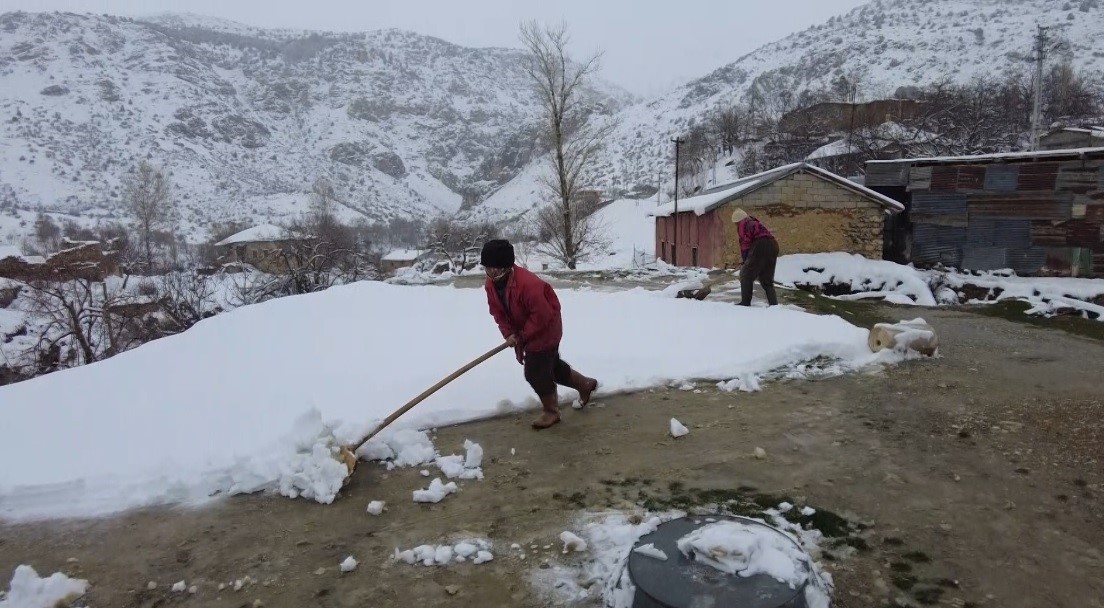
884 45
246 118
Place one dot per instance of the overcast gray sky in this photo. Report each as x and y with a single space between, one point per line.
650 46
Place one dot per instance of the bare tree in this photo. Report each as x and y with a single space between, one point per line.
147 193
574 143
587 233
458 244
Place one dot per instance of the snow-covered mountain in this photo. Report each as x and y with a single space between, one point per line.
404 124
246 119
883 45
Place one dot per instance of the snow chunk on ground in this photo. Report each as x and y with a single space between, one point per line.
258 383
179 586
808 511
436 492
483 557
28 590
747 550
571 542
376 507
748 383
473 458
678 429
441 555
349 564
651 551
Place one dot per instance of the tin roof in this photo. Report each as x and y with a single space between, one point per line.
721 195
1041 155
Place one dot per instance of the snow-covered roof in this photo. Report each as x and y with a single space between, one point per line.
721 195
403 255
1070 154
1090 131
257 234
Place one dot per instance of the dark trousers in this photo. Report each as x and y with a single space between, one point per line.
759 266
544 370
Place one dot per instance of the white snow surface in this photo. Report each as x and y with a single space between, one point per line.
436 492
864 275
678 429
264 232
28 590
737 548
475 549
258 398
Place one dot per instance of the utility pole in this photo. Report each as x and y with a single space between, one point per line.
674 251
1040 55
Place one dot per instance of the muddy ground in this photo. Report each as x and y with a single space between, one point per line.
977 478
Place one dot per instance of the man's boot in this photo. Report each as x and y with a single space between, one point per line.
584 385
551 413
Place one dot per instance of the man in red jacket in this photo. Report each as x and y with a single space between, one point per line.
527 312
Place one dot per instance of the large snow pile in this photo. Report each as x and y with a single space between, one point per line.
853 277
865 277
258 397
28 590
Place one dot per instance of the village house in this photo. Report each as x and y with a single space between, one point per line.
1072 137
400 258
1037 213
809 210
88 260
264 247
836 117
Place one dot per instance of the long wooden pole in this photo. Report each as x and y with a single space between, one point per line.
429 391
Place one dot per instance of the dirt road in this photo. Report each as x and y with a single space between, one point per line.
979 477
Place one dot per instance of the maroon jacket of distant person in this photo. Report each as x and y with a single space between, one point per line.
532 311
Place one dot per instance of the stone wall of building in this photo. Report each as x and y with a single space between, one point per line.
808 214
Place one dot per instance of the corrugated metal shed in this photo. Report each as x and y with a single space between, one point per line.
1026 261
1094 212
984 258
919 179
1084 234
1047 234
1076 178
937 244
998 232
1020 205
1038 176
1001 178
886 175
944 178
938 203
971 177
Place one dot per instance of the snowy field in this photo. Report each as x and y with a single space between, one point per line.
238 402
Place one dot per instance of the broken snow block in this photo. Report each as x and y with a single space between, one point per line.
915 335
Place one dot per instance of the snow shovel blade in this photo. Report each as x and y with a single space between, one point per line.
348 453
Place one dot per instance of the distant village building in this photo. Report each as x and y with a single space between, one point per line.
1037 213
264 247
1070 137
809 210
400 258
88 260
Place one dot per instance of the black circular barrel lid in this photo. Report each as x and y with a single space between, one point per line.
680 582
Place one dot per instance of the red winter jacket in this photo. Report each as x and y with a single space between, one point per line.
534 311
750 230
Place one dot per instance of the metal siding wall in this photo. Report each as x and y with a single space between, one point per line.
938 203
886 174
984 258
1038 176
944 178
998 232
937 244
971 178
1002 178
1027 261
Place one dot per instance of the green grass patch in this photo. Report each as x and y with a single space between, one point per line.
1016 310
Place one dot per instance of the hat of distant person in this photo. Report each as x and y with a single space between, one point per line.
497 253
738 215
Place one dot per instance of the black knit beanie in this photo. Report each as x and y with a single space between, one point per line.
498 253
